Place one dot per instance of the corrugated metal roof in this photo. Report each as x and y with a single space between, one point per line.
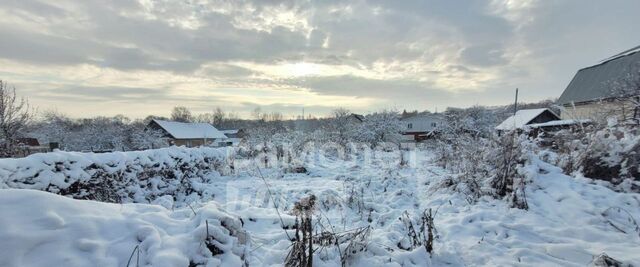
595 82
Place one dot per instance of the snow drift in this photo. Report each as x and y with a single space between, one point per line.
43 229
119 177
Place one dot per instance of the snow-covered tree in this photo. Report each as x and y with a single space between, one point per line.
342 126
142 137
383 126
91 134
14 116
476 120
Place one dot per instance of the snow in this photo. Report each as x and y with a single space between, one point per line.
183 130
520 119
564 226
570 219
136 176
43 229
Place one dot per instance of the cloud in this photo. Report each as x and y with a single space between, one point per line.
483 55
364 54
111 94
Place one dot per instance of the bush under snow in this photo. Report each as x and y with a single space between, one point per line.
120 177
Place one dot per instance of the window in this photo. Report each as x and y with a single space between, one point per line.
433 124
410 126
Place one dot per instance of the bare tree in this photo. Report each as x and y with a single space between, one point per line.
341 124
257 113
218 117
181 114
626 90
14 115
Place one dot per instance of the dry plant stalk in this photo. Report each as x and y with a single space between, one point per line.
301 253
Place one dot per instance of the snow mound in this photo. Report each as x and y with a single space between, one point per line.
570 222
43 229
138 176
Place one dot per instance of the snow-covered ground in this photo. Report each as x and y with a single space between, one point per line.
569 221
42 229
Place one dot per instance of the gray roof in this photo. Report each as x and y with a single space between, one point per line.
357 116
595 82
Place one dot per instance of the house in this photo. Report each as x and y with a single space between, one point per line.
189 134
525 118
28 141
356 118
26 146
596 92
420 127
234 136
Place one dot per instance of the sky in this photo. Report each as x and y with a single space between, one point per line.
90 58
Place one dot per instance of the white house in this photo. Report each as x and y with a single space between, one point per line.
420 127
189 134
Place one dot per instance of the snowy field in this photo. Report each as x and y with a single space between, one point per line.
569 222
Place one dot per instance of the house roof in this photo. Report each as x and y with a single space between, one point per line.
521 118
183 130
357 116
595 82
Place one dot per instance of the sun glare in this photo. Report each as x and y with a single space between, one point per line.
302 69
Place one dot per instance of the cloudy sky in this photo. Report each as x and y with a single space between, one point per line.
94 57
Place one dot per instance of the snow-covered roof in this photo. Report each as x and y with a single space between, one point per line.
184 130
520 119
558 123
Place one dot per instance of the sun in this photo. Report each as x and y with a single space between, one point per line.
302 69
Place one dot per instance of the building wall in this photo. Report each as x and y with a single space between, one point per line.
191 142
546 116
421 124
599 111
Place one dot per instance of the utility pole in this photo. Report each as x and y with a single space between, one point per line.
515 106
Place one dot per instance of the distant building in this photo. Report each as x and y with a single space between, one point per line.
189 134
27 146
234 136
28 141
527 117
420 127
594 92
357 118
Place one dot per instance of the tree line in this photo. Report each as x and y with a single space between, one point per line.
19 120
